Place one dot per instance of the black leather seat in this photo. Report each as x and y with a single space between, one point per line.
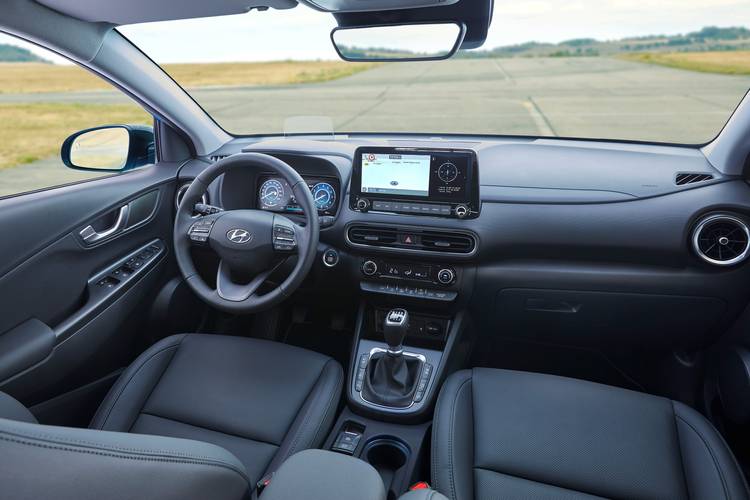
263 401
516 435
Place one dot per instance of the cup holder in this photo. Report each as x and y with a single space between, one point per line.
387 456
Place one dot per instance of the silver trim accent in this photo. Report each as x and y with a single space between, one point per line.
449 271
374 272
714 218
374 350
181 192
323 257
91 235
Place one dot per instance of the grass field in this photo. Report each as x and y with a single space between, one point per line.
38 77
728 63
31 131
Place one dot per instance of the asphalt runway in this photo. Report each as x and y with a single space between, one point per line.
568 97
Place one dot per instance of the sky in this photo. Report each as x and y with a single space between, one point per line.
302 33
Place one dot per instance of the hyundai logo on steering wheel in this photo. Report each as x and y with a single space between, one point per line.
239 236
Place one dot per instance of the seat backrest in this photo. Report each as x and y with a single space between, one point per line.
42 461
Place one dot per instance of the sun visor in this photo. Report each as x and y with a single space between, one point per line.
476 15
373 5
121 12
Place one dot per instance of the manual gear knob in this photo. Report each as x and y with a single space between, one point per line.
395 327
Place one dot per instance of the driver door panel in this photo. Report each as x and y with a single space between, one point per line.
69 316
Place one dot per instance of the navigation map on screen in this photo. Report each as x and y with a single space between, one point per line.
406 175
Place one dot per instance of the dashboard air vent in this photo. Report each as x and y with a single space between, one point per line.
439 241
691 178
181 192
371 235
215 158
429 240
721 239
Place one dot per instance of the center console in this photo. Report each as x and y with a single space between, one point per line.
415 279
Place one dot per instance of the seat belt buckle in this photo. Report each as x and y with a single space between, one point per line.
420 485
264 481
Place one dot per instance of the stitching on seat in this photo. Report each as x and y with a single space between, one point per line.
248 438
450 438
299 433
330 405
185 460
679 448
130 379
74 442
713 457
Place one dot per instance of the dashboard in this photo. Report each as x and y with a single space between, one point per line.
561 239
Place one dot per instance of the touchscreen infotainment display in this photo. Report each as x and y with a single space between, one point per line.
396 174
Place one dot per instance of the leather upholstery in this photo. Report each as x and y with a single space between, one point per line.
42 461
325 475
526 435
14 410
262 401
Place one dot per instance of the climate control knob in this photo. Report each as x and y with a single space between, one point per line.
446 276
369 268
363 204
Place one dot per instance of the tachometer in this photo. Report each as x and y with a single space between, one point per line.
271 194
324 196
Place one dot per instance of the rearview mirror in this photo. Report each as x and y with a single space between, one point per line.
398 42
111 148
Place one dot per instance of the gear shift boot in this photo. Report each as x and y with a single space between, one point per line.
391 380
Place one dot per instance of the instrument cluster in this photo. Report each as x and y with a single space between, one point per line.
275 194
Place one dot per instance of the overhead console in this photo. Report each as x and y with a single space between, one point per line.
430 182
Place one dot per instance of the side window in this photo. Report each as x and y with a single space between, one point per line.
44 99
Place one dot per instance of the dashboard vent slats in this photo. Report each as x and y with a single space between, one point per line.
445 242
373 236
722 240
691 178
412 239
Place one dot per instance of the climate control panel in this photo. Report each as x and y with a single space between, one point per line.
436 274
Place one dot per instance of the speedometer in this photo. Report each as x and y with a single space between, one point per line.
271 194
324 196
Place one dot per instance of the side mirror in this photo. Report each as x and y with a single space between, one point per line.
111 148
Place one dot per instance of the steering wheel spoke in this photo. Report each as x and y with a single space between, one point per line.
227 289
200 230
284 235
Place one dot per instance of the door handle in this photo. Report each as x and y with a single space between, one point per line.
91 235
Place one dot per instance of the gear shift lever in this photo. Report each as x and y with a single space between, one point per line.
394 330
391 377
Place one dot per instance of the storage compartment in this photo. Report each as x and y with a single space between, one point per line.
389 457
586 317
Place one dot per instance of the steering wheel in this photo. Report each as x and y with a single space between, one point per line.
250 244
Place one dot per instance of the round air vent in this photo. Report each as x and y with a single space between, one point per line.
181 192
722 240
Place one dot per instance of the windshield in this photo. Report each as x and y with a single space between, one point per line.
656 70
